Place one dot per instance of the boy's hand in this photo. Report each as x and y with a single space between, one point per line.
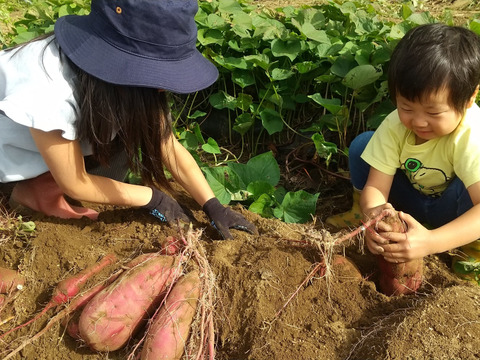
413 244
224 218
373 237
165 208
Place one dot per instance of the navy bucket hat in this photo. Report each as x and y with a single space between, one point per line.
147 43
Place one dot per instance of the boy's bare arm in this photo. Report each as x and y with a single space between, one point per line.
375 193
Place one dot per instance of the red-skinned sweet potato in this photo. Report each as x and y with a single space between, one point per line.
68 288
115 314
10 280
403 278
169 330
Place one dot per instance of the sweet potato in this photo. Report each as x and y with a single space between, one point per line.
168 333
117 312
68 288
78 303
403 278
10 280
346 268
172 246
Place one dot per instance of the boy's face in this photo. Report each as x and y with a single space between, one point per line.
430 117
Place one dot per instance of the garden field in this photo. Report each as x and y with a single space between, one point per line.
265 304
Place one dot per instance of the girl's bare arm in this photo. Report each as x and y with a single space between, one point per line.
65 161
186 172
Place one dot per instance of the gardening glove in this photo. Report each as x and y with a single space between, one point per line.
164 208
224 218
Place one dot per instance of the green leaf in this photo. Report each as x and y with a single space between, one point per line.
398 31
288 48
242 24
407 10
210 36
333 105
262 206
222 100
261 60
229 6
279 194
244 101
243 78
421 18
343 65
231 63
24 37
267 28
310 22
297 207
281 74
26 226
361 76
324 148
271 120
224 183
262 167
211 147
188 140
197 114
259 187
305 66
475 26
243 123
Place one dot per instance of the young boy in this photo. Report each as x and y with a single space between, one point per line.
424 159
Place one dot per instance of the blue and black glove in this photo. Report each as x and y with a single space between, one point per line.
224 218
164 208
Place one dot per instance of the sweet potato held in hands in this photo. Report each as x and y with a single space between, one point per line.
402 278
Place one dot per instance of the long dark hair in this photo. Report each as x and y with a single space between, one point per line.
137 117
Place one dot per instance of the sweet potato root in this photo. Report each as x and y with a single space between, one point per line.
67 289
10 280
70 287
169 330
403 278
117 312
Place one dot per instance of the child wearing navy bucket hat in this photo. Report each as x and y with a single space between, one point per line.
81 106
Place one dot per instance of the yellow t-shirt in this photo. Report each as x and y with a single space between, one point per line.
430 166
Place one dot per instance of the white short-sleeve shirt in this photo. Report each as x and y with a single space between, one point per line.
36 91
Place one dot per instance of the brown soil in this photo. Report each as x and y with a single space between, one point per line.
339 317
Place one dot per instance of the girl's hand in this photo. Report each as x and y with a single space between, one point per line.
224 218
165 208
373 237
413 244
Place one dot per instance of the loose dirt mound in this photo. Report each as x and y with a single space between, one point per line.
340 318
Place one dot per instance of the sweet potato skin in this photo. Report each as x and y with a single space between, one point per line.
9 280
403 278
109 320
169 330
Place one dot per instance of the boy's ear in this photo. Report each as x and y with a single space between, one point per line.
472 99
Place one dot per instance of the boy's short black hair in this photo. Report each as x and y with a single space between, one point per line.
433 57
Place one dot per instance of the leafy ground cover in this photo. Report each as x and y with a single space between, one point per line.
341 317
